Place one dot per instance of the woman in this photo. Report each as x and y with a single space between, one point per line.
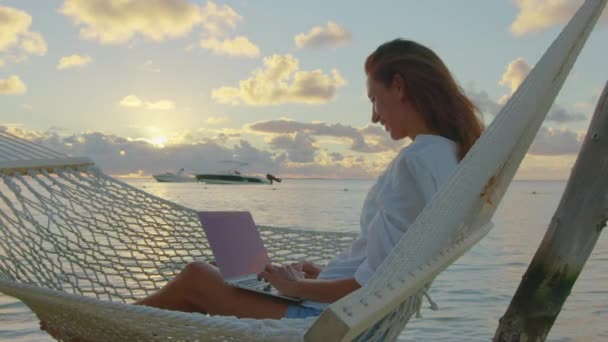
413 95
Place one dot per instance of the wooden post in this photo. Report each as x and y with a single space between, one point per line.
568 242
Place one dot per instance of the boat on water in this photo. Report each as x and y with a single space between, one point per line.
234 177
178 177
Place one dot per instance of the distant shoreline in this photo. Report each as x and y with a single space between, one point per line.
335 179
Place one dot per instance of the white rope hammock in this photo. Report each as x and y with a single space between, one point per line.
77 245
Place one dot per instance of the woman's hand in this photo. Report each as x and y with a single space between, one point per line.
311 270
283 278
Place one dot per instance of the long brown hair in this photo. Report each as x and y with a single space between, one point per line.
430 88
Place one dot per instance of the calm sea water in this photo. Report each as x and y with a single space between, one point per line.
472 294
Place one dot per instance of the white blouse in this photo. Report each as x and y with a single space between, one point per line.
392 204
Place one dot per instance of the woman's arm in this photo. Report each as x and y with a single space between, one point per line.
311 270
292 282
324 290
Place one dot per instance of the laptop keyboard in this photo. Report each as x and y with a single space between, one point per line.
256 284
251 282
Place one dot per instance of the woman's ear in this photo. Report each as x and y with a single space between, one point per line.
398 85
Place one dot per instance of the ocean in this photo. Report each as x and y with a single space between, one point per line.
472 294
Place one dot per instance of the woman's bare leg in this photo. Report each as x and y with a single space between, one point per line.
200 288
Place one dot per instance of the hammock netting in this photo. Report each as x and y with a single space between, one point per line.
83 232
76 246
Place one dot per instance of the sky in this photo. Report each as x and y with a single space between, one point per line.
148 86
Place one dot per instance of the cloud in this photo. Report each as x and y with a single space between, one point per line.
16 39
33 43
132 101
303 157
377 140
73 61
280 81
300 154
149 66
371 139
515 74
13 24
319 36
123 156
139 155
12 86
118 21
161 105
487 105
483 101
300 147
538 15
551 142
216 120
217 20
513 77
560 114
239 46
336 156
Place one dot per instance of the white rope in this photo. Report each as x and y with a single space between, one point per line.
15 148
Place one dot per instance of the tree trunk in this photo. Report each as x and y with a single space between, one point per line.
568 242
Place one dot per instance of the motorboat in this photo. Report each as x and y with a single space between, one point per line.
234 177
178 177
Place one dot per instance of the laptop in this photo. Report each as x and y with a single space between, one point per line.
238 250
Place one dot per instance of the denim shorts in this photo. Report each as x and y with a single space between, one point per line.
298 311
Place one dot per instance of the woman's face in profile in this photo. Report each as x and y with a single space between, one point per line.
388 108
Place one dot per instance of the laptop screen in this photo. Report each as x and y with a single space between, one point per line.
235 242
